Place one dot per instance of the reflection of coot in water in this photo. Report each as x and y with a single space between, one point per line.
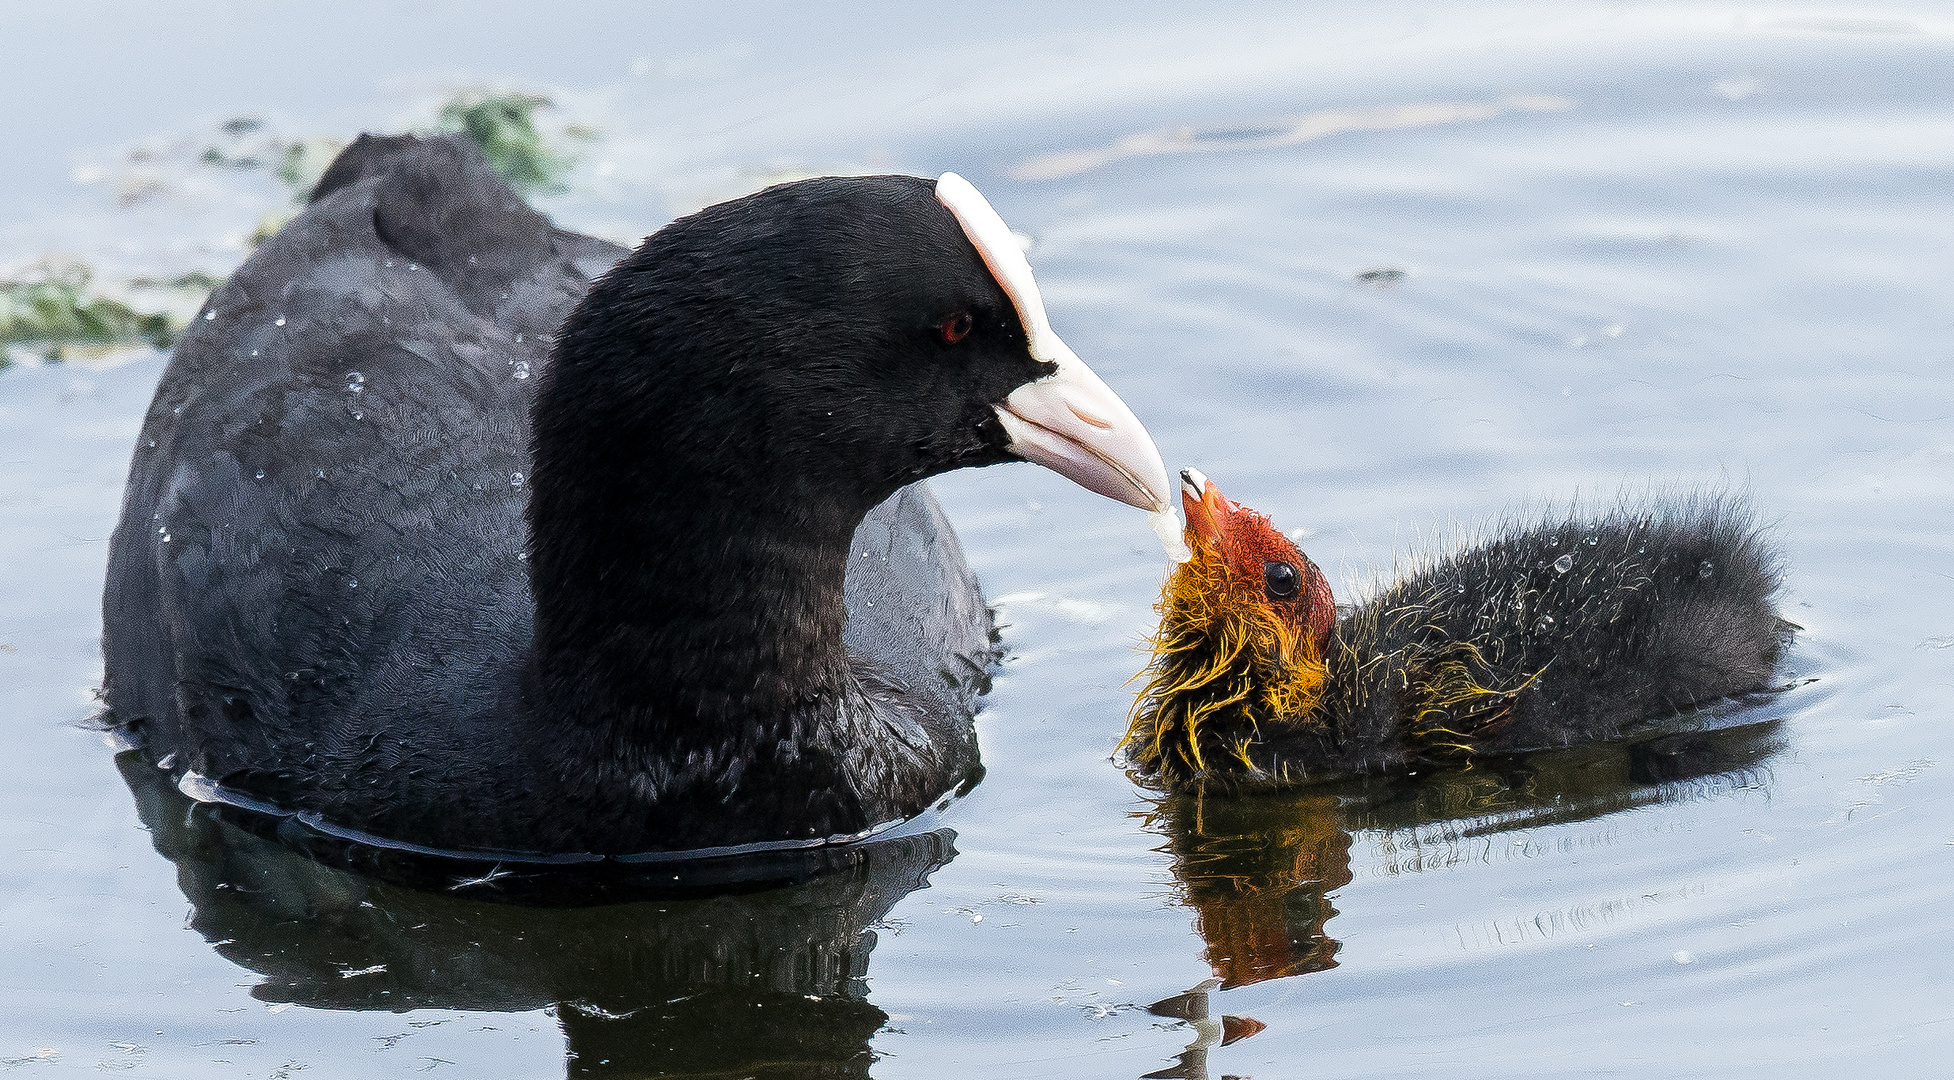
1260 868
756 984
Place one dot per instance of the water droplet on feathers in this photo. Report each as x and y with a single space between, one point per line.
261 474
209 315
1543 624
515 480
522 369
1563 564
355 383
1704 571
279 321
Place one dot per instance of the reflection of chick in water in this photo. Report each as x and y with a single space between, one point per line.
1257 877
768 983
1260 868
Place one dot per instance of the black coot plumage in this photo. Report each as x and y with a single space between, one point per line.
1568 631
429 537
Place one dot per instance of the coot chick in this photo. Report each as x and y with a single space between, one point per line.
1566 631
426 542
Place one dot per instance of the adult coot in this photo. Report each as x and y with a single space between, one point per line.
430 537
1540 636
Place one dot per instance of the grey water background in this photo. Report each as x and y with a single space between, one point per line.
1636 245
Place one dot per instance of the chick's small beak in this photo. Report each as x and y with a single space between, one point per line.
1205 506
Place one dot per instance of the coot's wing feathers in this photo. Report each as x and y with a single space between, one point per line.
916 618
437 203
379 381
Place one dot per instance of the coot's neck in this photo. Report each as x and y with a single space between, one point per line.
720 412
676 616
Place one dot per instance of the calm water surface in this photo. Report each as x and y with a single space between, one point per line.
1634 245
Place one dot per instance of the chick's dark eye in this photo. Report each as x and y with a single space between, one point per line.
1280 580
956 327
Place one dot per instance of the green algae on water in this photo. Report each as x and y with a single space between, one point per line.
304 161
501 122
54 310
503 125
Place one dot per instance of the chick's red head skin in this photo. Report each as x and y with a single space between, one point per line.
1260 564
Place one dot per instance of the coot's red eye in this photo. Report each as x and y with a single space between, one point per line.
956 328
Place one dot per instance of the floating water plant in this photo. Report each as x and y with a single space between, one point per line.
304 161
51 312
503 125
54 310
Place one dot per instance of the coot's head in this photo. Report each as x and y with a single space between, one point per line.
1244 624
822 343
